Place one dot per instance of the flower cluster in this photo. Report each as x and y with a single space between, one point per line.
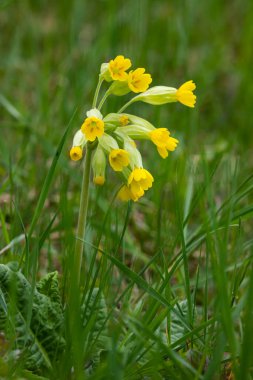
113 137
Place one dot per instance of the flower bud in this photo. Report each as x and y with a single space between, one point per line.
98 166
76 153
79 141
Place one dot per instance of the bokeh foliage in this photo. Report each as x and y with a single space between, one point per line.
200 207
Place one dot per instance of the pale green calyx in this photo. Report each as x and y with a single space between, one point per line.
107 142
99 163
125 119
157 95
119 88
105 73
139 121
130 147
94 112
79 139
135 131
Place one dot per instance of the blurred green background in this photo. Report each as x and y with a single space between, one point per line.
49 63
195 222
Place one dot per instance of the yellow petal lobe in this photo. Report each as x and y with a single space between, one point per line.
99 180
163 141
119 158
139 181
138 80
92 128
118 67
185 94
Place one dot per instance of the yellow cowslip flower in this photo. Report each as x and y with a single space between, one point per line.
99 180
79 141
118 158
164 142
125 194
162 94
118 66
124 120
185 94
76 153
92 128
139 180
138 81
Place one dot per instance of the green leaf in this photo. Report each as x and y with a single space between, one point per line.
43 341
94 316
177 329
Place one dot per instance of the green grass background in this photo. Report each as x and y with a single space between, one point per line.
193 229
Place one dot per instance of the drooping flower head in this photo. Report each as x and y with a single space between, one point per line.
112 138
76 153
118 67
118 158
125 194
79 141
139 180
158 95
138 80
163 141
185 94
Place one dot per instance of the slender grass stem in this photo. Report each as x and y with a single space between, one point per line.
95 99
82 215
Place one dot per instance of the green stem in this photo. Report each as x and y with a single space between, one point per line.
104 99
125 106
80 234
94 103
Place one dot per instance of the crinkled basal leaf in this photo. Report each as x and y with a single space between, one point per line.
177 328
94 315
42 341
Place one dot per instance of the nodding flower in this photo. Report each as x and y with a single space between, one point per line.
113 137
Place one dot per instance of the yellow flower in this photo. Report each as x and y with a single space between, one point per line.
138 81
164 142
118 158
124 120
185 94
162 94
124 194
118 67
92 128
76 153
99 180
172 144
139 180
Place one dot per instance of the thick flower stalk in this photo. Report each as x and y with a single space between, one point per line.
109 140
